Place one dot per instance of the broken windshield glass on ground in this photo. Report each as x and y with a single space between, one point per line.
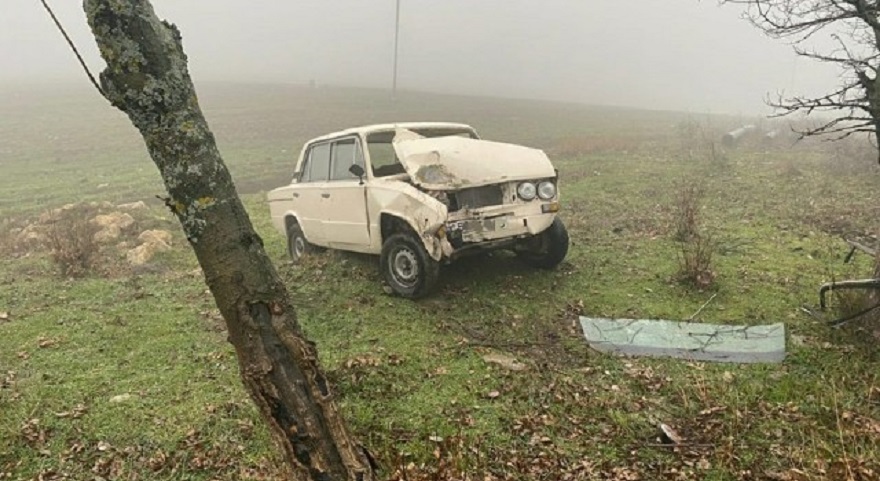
686 340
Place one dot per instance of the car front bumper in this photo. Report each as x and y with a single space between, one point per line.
494 227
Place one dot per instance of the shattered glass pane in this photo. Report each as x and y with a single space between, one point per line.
687 340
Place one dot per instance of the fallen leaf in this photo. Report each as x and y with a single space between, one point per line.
670 434
712 410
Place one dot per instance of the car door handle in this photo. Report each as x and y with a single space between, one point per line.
325 195
296 195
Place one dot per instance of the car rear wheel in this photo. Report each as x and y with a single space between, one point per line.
297 245
407 267
548 249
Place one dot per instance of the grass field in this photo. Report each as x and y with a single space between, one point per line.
126 374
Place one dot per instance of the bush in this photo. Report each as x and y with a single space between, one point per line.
696 247
698 141
70 238
696 261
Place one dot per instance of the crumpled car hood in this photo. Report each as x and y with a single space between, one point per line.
451 163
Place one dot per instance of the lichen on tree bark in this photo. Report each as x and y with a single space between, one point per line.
147 78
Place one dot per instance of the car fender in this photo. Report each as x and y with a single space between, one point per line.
422 212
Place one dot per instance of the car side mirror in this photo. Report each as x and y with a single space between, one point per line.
357 171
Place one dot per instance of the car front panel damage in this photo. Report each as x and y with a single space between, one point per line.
425 214
475 182
499 222
444 163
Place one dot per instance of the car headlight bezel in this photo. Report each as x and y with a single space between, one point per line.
547 194
527 190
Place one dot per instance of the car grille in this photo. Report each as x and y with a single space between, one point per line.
477 197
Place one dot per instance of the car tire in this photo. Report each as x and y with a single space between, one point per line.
548 249
406 266
297 245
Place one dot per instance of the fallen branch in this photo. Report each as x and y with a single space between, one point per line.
678 445
694 315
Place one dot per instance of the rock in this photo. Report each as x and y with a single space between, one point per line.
118 219
100 205
4 316
504 361
107 234
156 237
139 205
31 236
112 226
54 214
143 253
152 241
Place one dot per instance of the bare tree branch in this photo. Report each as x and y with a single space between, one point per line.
854 25
72 47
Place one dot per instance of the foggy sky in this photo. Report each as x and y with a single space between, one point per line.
656 54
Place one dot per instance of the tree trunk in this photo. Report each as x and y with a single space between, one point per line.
147 78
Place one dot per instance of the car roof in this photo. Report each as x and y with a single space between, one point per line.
367 129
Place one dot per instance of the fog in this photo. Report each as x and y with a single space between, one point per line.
671 54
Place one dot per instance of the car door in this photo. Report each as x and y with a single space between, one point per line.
345 221
308 195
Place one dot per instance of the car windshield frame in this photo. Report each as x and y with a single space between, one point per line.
387 169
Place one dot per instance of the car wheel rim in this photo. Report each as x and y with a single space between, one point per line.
299 247
405 267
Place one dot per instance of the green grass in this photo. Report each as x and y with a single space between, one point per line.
409 373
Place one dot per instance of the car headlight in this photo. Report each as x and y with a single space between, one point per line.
547 190
527 191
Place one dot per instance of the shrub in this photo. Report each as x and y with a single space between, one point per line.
695 261
70 238
686 210
696 247
698 141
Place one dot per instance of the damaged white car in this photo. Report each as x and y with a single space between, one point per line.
420 195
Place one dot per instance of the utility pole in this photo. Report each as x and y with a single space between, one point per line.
396 49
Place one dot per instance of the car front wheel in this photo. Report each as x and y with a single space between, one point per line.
407 267
547 249
297 245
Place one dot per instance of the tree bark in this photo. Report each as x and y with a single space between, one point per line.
147 78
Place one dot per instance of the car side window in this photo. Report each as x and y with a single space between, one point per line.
346 152
317 165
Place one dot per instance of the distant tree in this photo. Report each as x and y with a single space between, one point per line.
854 26
147 78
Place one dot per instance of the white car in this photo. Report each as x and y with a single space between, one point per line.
419 195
